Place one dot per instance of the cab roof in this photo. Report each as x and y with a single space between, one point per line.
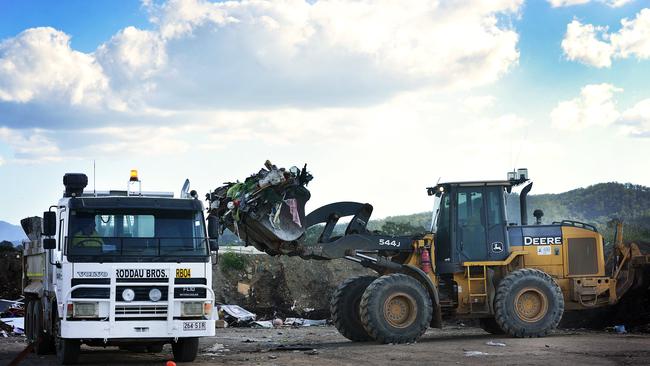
507 184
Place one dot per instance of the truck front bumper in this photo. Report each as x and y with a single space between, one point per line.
158 329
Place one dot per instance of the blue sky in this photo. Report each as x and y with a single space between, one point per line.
380 99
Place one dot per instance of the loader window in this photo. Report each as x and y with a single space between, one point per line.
471 217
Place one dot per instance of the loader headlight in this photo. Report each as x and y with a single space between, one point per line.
128 295
155 294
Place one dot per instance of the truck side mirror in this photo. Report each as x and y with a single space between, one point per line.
49 243
49 223
213 233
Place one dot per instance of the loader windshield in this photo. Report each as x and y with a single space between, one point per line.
141 235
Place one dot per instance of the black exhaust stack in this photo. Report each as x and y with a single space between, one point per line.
523 209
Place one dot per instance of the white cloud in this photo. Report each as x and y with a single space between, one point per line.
39 64
33 145
594 107
479 103
594 46
262 54
585 43
2 161
636 120
610 3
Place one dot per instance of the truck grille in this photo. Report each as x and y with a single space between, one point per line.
140 310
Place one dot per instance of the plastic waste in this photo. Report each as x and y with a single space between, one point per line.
266 210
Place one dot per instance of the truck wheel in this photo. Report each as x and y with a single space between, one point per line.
156 348
395 308
345 308
528 303
42 340
67 350
29 321
490 325
185 349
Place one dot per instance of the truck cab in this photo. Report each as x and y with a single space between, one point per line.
121 268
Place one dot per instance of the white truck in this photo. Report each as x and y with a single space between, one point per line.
119 268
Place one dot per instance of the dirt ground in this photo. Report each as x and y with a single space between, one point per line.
324 346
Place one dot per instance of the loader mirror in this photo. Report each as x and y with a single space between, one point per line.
49 243
214 245
49 223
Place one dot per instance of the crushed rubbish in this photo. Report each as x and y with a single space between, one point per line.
266 210
475 353
620 329
17 325
12 317
300 322
236 315
263 324
495 344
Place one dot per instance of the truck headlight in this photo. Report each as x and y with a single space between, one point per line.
192 308
85 310
155 294
128 295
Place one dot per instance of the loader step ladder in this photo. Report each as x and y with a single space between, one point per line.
477 288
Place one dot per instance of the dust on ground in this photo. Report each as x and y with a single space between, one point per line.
324 346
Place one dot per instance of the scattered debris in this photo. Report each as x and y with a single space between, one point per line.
475 353
277 322
13 325
312 352
272 357
295 347
620 329
220 323
495 344
263 324
237 314
298 322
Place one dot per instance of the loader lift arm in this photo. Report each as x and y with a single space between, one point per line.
356 241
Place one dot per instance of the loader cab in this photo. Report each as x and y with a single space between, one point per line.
470 223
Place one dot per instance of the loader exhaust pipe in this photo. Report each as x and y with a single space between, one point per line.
523 207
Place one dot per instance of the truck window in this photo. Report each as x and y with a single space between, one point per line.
145 235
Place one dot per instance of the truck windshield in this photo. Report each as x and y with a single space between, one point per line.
142 235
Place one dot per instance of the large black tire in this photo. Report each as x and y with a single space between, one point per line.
396 308
345 308
186 349
67 350
29 321
529 303
490 325
155 348
42 340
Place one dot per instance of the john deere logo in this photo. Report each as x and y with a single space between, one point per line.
497 247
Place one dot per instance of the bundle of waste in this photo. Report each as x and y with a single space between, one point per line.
267 210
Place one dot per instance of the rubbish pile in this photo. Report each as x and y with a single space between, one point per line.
237 316
12 317
267 210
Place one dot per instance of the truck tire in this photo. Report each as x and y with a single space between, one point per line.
42 340
345 308
396 308
185 349
67 350
29 321
155 348
529 303
490 325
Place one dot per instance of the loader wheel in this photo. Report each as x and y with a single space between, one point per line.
67 350
185 349
528 303
395 309
490 325
345 308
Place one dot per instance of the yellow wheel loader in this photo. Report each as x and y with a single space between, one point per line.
476 262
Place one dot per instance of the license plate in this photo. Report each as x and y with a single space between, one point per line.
193 326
